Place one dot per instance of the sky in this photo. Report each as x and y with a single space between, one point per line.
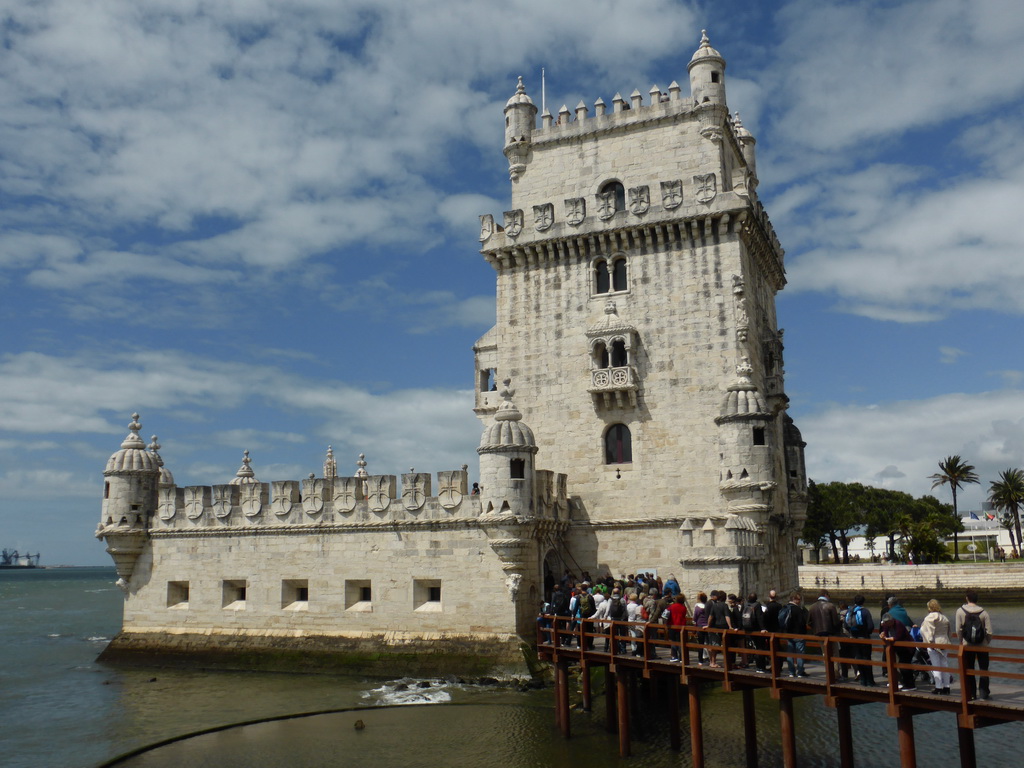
255 223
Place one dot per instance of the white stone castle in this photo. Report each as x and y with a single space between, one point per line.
636 282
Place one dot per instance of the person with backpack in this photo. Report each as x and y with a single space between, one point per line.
892 630
824 618
974 628
751 621
770 620
700 620
793 621
935 629
718 618
587 609
617 612
861 625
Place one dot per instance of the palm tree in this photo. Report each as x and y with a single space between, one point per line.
954 473
1007 494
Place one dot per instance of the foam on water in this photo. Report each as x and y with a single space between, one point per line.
409 690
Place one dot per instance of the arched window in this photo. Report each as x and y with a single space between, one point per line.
619 275
602 280
600 355
620 193
618 445
619 357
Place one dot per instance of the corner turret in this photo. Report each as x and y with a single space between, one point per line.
520 120
130 497
507 449
707 74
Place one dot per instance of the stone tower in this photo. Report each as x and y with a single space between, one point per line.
636 282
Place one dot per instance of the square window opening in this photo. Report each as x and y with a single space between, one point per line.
426 594
177 594
517 470
233 594
358 595
295 594
759 436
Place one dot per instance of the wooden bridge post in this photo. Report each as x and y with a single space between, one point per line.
562 697
908 752
846 759
750 727
611 718
675 739
622 690
788 728
965 736
585 682
696 727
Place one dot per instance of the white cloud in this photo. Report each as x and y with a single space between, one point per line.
898 444
950 355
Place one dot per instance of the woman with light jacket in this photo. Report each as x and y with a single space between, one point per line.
935 629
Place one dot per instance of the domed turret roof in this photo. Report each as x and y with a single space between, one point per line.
790 433
705 51
133 456
166 478
244 475
508 429
519 97
742 397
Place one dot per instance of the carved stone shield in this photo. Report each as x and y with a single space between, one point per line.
543 216
640 200
313 496
453 488
671 194
283 501
413 496
513 222
575 210
379 491
222 500
194 502
605 205
252 499
706 187
168 503
345 493
486 227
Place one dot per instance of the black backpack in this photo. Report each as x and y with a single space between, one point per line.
748 619
617 610
973 630
560 604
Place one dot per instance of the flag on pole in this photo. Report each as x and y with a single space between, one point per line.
974 516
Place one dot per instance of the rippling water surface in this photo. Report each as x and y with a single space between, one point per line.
60 708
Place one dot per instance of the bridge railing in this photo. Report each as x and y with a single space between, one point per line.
736 650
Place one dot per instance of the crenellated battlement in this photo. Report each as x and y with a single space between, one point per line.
339 500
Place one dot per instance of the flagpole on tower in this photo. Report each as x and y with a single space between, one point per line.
543 94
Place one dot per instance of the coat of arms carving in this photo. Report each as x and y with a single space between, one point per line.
345 493
380 489
671 194
313 496
453 488
486 227
283 501
605 205
640 200
194 502
706 187
543 216
252 499
513 222
168 505
223 500
415 490
575 210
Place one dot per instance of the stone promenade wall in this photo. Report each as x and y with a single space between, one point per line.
993 581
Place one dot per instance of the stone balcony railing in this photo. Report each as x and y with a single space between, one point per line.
614 386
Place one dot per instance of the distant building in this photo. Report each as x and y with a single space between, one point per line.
636 358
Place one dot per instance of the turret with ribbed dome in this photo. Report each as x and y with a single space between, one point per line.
520 120
130 496
707 73
507 450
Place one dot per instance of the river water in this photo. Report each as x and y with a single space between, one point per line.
60 708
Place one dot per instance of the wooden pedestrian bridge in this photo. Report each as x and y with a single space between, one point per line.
566 643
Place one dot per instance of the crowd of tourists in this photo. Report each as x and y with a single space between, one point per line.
632 609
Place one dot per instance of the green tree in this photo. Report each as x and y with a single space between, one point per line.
1007 495
833 511
954 473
